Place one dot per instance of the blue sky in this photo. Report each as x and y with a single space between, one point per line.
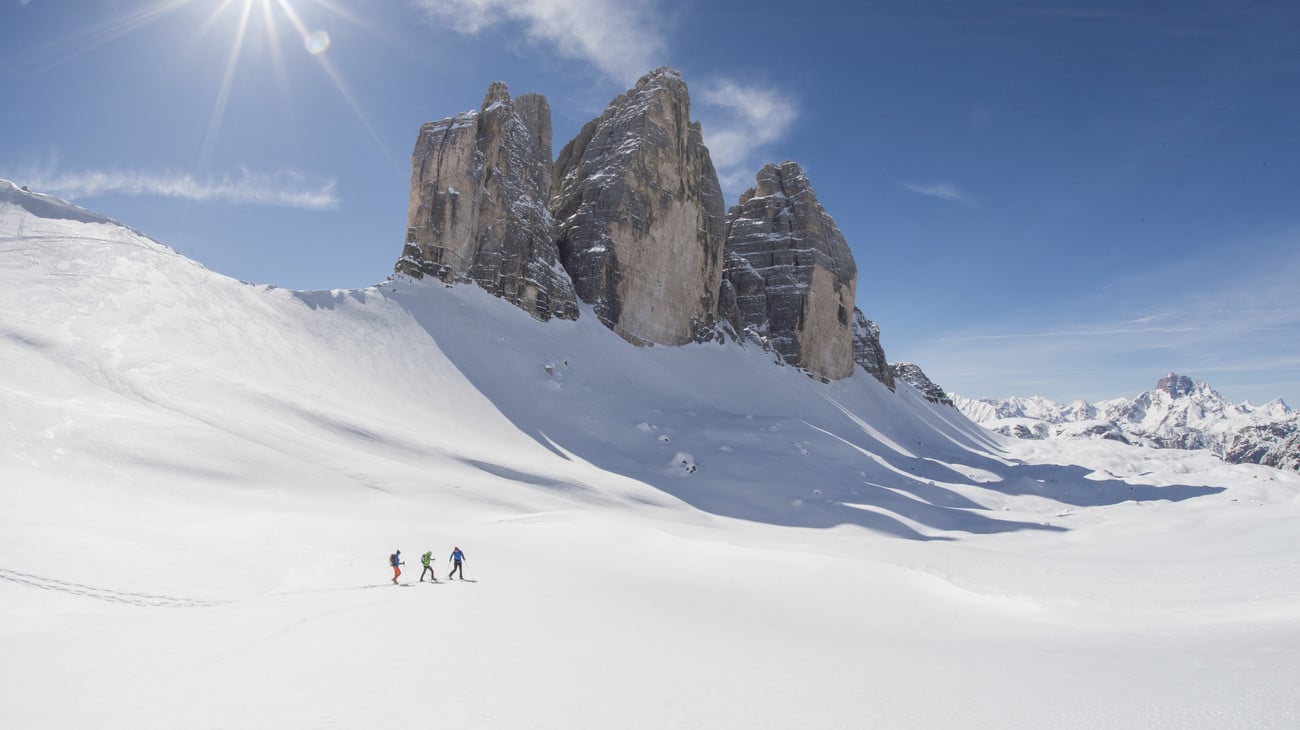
1057 198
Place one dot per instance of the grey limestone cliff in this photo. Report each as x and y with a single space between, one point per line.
789 276
477 211
639 216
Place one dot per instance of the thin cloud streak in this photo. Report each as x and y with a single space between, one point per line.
1073 333
740 120
945 191
622 38
752 116
281 189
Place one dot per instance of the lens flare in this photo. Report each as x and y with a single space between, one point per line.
318 41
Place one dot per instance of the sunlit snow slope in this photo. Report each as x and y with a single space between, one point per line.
201 480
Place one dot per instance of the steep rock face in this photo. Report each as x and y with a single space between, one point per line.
791 273
867 350
639 216
914 375
477 211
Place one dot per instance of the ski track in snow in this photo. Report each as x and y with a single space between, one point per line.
103 594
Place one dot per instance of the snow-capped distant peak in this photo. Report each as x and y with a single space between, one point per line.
1178 412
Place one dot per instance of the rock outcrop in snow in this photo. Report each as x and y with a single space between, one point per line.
1178 413
916 377
790 273
477 212
639 216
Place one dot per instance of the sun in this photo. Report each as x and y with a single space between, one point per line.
271 13
315 41
278 19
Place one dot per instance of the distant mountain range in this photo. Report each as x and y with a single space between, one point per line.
1178 413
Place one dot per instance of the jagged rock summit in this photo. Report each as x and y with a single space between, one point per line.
789 275
629 219
477 210
1175 385
639 215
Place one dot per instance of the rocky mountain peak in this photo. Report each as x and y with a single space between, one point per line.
535 112
497 93
639 215
664 75
477 209
1175 385
790 273
786 179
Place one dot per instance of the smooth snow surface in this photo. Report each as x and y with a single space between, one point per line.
201 481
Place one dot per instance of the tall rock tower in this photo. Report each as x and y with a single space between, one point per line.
477 212
790 276
639 216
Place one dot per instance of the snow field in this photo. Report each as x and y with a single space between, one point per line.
201 481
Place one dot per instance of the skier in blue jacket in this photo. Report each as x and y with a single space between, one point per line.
456 557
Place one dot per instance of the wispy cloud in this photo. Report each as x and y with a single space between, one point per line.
1079 13
739 120
1070 333
945 191
1231 310
280 189
622 38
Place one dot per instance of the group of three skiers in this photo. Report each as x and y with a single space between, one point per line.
457 558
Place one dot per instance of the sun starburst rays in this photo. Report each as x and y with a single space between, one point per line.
223 93
80 42
277 17
339 84
273 45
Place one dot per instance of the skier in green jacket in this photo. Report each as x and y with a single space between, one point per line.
425 560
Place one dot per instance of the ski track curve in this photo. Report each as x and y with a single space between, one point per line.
104 594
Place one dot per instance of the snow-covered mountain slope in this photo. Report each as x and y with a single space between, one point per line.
201 479
1178 413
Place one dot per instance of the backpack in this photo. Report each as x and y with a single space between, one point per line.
426 557
392 559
